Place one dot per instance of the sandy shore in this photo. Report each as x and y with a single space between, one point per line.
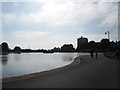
84 72
38 74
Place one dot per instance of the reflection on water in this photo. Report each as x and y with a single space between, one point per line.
4 62
4 59
17 57
68 58
25 63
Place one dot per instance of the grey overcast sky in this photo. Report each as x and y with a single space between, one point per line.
52 23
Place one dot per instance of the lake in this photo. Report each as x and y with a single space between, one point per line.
26 63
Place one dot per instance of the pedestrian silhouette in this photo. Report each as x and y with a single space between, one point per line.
118 54
96 54
91 51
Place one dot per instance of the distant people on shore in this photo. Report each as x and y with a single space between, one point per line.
96 54
118 54
92 53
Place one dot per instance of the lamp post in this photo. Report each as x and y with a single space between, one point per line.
108 32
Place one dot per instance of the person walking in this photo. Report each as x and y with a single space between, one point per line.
91 53
96 54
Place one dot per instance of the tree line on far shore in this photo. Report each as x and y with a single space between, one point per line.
104 46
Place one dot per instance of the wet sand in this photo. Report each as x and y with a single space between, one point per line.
84 72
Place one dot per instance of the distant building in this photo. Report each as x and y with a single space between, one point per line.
67 48
82 44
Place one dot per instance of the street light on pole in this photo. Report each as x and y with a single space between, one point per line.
108 32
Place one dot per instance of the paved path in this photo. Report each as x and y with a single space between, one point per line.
90 73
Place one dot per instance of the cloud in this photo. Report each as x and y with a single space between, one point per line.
40 40
52 14
69 13
59 1
60 15
111 17
29 35
15 3
8 18
58 39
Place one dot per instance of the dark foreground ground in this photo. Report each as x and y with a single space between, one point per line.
90 73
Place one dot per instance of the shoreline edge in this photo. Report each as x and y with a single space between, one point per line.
75 62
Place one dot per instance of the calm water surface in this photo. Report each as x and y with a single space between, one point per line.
26 63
